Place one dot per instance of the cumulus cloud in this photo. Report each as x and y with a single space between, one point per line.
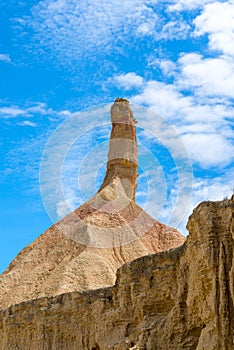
213 76
128 81
209 149
163 98
217 20
202 123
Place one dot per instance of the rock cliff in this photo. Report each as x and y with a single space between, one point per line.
84 250
177 299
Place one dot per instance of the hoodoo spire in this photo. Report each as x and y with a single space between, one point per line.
122 157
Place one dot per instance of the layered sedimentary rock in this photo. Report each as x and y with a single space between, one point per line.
84 250
174 300
122 157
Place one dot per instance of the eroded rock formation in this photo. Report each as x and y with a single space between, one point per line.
122 156
174 300
84 250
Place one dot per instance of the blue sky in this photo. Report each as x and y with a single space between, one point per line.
59 57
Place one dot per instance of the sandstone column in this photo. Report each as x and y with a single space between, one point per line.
122 157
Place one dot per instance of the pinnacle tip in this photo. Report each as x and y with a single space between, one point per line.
120 99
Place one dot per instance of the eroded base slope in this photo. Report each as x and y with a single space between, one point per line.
84 250
178 299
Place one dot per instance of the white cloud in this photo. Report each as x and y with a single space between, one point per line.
11 112
202 123
213 76
75 30
28 123
128 81
5 58
217 20
32 110
144 29
63 208
163 99
209 150
178 5
40 108
202 127
174 30
214 189
146 20
65 113
167 67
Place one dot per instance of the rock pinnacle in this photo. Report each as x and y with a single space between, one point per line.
122 157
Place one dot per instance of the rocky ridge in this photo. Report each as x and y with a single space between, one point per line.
177 299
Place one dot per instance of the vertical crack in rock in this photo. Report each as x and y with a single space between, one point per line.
224 303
